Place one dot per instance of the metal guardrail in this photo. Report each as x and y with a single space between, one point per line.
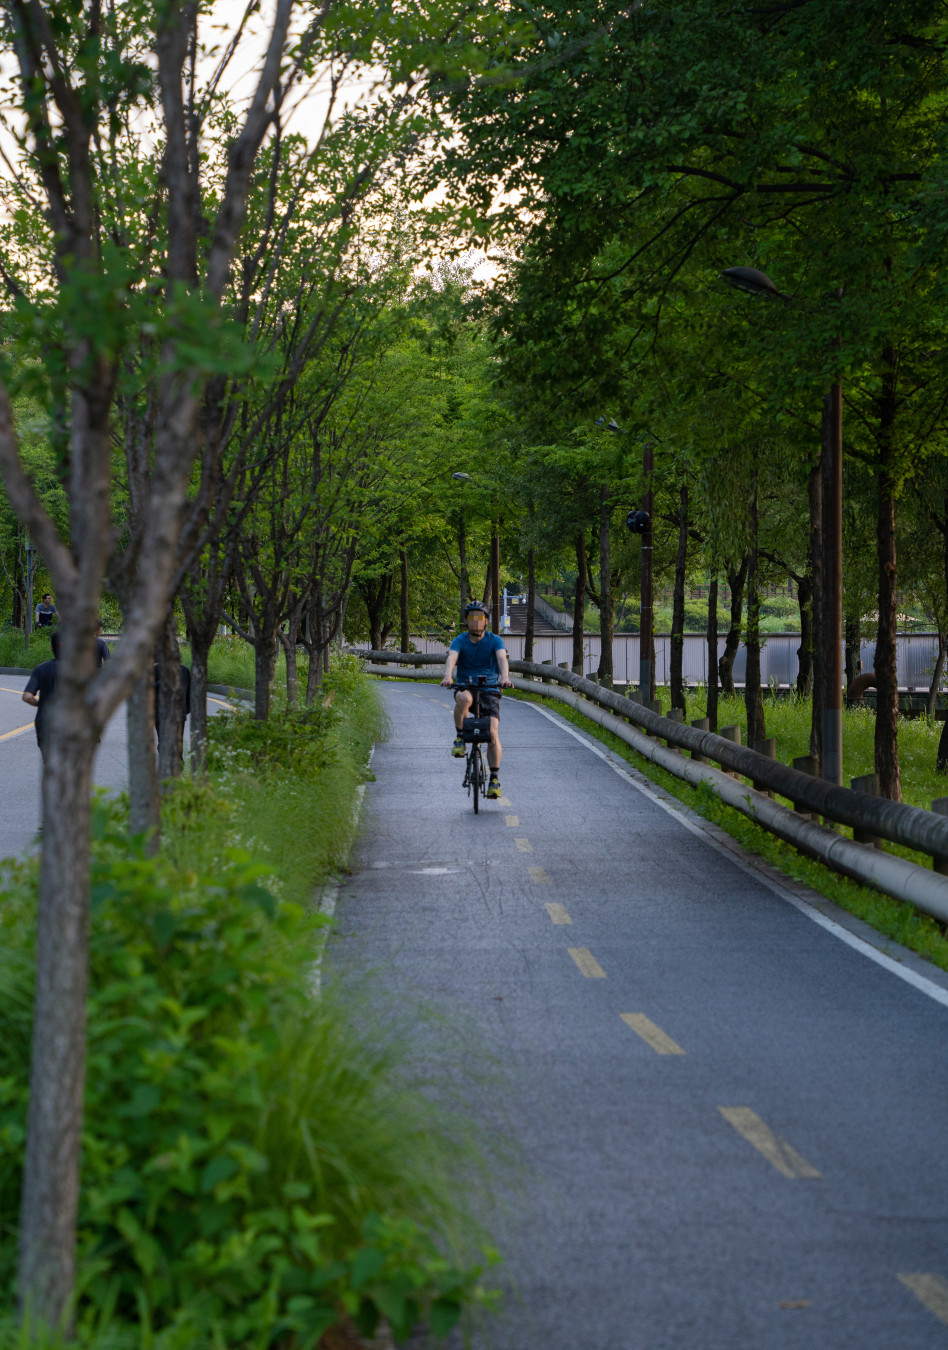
909 826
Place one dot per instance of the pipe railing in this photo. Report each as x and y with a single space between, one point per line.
910 826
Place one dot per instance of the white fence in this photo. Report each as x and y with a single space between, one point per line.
917 653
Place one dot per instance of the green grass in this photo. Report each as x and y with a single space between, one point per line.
789 722
13 650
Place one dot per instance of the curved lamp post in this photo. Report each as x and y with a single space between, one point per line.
754 282
462 478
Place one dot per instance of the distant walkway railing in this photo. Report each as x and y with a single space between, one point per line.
868 816
916 655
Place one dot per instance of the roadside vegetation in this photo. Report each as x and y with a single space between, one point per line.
260 1163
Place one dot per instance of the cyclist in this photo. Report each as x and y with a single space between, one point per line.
471 654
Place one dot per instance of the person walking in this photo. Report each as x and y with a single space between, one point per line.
41 690
102 651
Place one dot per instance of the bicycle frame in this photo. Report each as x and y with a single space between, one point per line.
475 775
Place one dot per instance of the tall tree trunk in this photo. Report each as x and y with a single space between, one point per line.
713 652
579 602
678 605
403 636
805 649
531 606
736 578
817 683
646 580
753 697
937 674
200 649
19 584
853 650
606 615
170 703
264 651
886 668
142 765
57 1063
495 581
289 641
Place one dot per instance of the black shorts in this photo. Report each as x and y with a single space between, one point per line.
490 701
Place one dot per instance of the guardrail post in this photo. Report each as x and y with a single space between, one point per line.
731 734
654 705
867 782
807 764
545 680
940 807
675 715
767 747
701 724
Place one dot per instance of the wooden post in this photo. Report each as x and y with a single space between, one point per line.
675 715
654 705
731 734
806 764
768 747
867 782
940 807
701 724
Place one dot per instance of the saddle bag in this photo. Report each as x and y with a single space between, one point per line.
475 730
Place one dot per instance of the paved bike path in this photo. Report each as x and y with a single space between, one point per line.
732 1123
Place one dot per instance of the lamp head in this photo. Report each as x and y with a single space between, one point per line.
750 280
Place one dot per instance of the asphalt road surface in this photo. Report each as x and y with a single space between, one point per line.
20 766
732 1108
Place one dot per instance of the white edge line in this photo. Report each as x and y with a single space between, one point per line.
919 982
329 895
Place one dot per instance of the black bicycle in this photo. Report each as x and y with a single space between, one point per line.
475 733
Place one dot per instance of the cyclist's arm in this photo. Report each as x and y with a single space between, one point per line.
503 667
449 668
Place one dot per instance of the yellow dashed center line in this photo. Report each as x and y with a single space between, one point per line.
776 1150
524 845
18 732
220 702
558 913
651 1034
587 963
512 821
932 1291
5 690
539 876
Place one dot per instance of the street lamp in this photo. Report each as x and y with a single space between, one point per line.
462 478
31 561
754 282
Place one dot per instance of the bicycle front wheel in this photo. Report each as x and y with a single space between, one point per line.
477 778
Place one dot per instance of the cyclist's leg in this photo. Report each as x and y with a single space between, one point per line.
494 750
462 706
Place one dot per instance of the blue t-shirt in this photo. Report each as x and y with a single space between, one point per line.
478 658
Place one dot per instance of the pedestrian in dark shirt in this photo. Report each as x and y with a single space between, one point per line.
46 612
41 689
102 650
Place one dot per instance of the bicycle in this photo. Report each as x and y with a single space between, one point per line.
475 732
